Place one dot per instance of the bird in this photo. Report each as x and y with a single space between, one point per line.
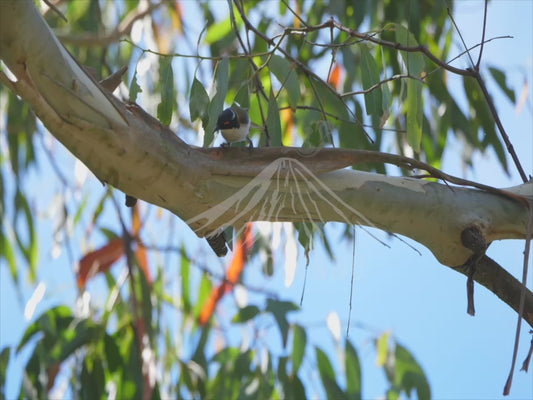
234 124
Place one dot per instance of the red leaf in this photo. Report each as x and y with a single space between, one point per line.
242 247
336 79
142 257
211 302
100 260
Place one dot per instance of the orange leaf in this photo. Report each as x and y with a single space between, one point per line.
141 254
137 223
336 79
100 260
209 307
142 258
243 248
287 116
177 17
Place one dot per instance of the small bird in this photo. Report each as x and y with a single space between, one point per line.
234 124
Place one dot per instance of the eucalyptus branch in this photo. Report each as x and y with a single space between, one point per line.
385 43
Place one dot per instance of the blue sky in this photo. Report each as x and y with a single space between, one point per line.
421 302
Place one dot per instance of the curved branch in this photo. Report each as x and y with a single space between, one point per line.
495 278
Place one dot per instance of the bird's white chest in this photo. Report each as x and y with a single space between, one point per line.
236 134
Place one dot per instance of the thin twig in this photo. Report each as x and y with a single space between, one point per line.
394 45
382 82
351 286
460 35
482 35
488 98
508 383
499 124
55 9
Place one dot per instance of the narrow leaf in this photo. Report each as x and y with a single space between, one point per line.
273 121
135 89
165 107
298 348
370 77
353 372
4 361
217 104
415 114
245 314
204 292
185 282
501 80
409 374
327 375
7 252
199 100
382 345
99 260
279 310
284 72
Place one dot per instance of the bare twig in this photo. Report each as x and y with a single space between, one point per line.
499 124
380 83
482 35
508 383
55 9
351 286
476 74
373 39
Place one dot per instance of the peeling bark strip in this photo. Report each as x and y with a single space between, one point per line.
473 239
131 150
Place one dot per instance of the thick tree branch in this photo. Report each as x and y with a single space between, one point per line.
214 188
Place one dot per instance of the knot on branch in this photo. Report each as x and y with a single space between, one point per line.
472 238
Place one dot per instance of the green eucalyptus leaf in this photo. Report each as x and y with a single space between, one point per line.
185 282
370 77
415 114
501 80
4 362
328 377
199 100
168 99
279 310
285 73
353 372
247 313
135 89
217 103
298 348
409 374
273 121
